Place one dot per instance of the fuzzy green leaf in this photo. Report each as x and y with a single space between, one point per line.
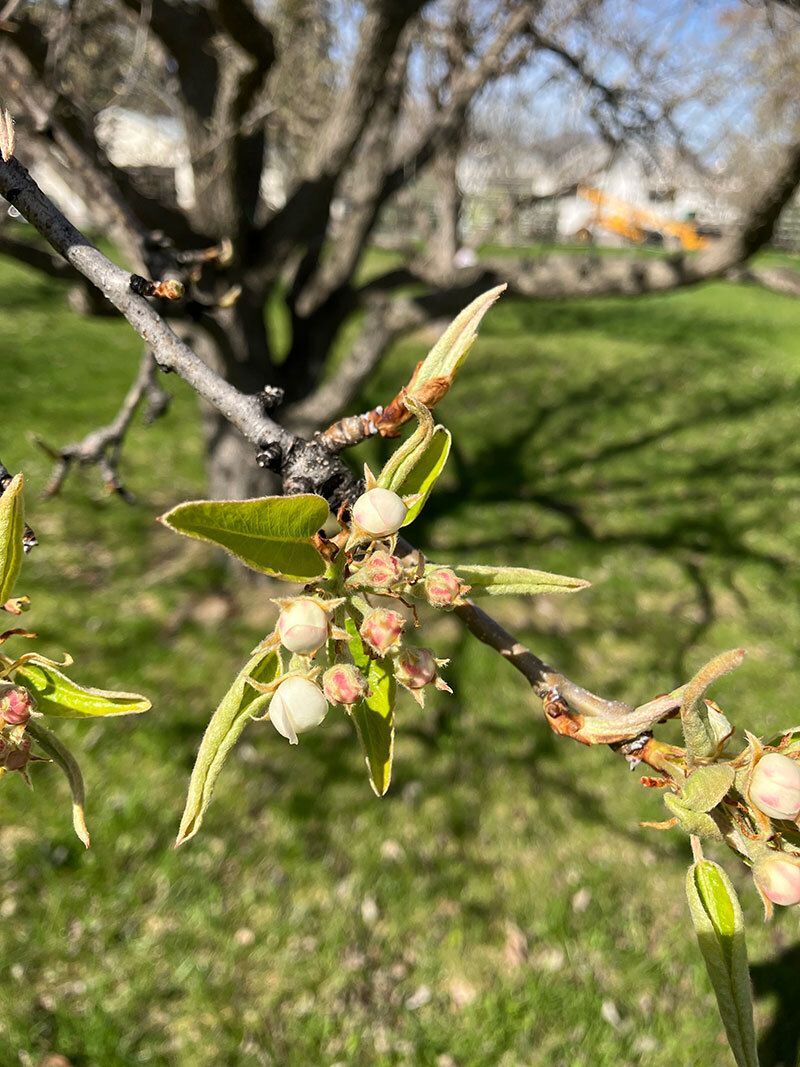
11 530
374 716
513 581
425 474
704 728
236 708
452 348
718 923
692 822
403 460
60 697
706 786
272 534
61 755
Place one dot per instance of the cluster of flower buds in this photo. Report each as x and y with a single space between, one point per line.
306 625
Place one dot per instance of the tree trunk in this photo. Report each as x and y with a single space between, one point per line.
235 345
446 236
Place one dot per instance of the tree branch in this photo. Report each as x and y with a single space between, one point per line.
309 467
302 464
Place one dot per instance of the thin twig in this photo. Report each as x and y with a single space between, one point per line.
102 447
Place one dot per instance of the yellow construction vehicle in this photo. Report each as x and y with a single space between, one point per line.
637 224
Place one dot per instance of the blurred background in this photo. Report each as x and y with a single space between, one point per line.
331 182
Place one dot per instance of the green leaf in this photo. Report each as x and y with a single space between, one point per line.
272 534
11 530
693 822
706 786
61 755
704 732
512 581
452 348
403 460
718 923
236 708
426 473
374 716
60 697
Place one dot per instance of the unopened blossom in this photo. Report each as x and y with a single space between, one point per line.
379 571
344 684
775 786
379 512
417 667
303 627
381 630
443 588
16 704
778 878
297 705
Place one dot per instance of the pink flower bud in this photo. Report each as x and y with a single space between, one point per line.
297 705
379 512
380 571
344 684
16 704
381 630
778 878
303 627
415 668
775 786
443 588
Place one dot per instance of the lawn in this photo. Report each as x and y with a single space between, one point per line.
502 906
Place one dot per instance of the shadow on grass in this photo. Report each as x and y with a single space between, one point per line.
685 458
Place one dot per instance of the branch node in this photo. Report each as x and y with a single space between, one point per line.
270 457
270 397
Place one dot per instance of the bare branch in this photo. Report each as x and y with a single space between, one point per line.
303 465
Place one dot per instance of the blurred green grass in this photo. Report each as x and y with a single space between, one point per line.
501 906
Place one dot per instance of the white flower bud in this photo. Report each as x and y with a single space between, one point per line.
775 786
298 705
379 512
778 878
303 627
